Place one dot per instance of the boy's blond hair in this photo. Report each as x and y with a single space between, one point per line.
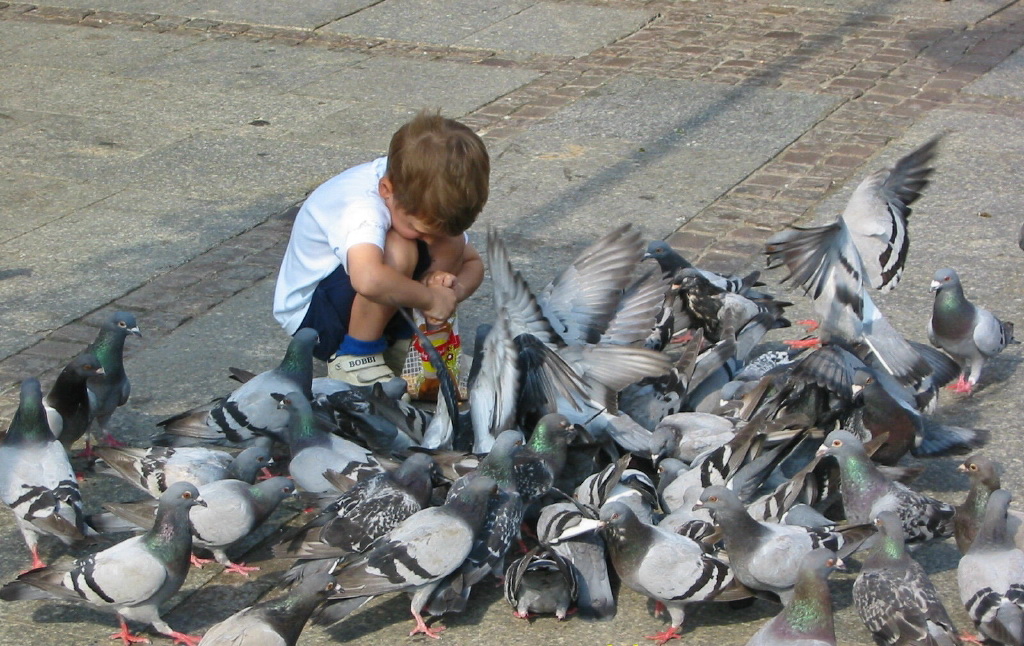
439 171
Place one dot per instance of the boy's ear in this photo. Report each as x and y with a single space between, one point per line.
385 188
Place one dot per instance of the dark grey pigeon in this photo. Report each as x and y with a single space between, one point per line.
36 479
894 596
866 245
663 566
867 492
585 553
984 476
277 622
67 402
131 578
112 388
541 581
767 556
416 555
234 509
154 469
361 515
672 263
991 577
970 334
807 618
250 410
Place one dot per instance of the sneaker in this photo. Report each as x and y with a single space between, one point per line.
359 370
396 354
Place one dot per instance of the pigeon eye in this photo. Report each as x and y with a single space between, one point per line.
973 467
187 495
946 279
870 380
837 442
122 324
713 499
329 587
830 563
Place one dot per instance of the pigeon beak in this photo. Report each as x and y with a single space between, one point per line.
822 450
199 501
135 330
840 565
934 286
585 526
962 469
697 505
856 389
100 371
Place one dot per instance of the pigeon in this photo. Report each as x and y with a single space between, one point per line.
984 476
970 334
112 388
767 556
672 263
234 509
36 479
541 581
361 515
666 567
585 553
542 460
250 410
866 245
867 492
314 449
154 469
991 577
807 618
131 578
416 555
277 622
895 598
67 402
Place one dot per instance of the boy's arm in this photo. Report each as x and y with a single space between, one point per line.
379 282
471 275
456 264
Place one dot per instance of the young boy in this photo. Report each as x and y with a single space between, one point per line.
386 234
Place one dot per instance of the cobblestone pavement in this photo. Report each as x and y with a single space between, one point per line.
882 71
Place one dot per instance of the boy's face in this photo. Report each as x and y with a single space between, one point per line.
404 223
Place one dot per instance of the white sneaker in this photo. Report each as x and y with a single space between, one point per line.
359 370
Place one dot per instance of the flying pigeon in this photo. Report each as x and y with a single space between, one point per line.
154 469
277 622
417 554
895 598
541 581
867 492
111 389
36 479
991 577
866 245
970 334
663 566
767 556
984 476
67 402
807 618
250 410
131 578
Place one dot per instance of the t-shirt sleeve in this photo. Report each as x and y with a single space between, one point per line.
359 224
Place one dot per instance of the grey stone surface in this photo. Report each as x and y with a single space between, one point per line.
938 9
1006 79
551 28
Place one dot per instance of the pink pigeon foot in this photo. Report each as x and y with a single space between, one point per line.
36 561
659 608
961 386
198 562
183 639
971 639
109 440
682 337
87 453
809 324
519 615
422 627
241 568
662 637
265 474
803 343
126 637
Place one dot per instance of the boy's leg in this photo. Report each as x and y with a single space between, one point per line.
360 359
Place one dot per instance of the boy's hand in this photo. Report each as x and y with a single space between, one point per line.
443 305
440 279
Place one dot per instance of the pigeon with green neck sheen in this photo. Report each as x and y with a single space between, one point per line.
807 618
67 402
894 596
663 566
36 478
542 460
250 411
984 476
991 577
112 388
970 334
867 492
131 578
767 556
277 622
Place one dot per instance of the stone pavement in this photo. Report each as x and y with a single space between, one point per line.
152 152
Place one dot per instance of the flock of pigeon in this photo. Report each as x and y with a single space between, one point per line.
627 425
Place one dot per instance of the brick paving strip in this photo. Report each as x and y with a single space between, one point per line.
889 71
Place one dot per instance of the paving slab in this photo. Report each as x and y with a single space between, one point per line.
937 9
1006 79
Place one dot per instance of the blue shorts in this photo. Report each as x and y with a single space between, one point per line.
331 308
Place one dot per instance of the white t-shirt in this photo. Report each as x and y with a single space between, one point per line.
345 210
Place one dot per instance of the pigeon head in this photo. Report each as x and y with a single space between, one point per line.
29 423
841 444
821 562
944 279
249 462
662 441
616 519
85 365
273 490
981 471
668 258
861 379
718 499
554 429
321 586
181 494
123 322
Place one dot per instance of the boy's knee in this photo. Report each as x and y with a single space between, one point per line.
400 253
